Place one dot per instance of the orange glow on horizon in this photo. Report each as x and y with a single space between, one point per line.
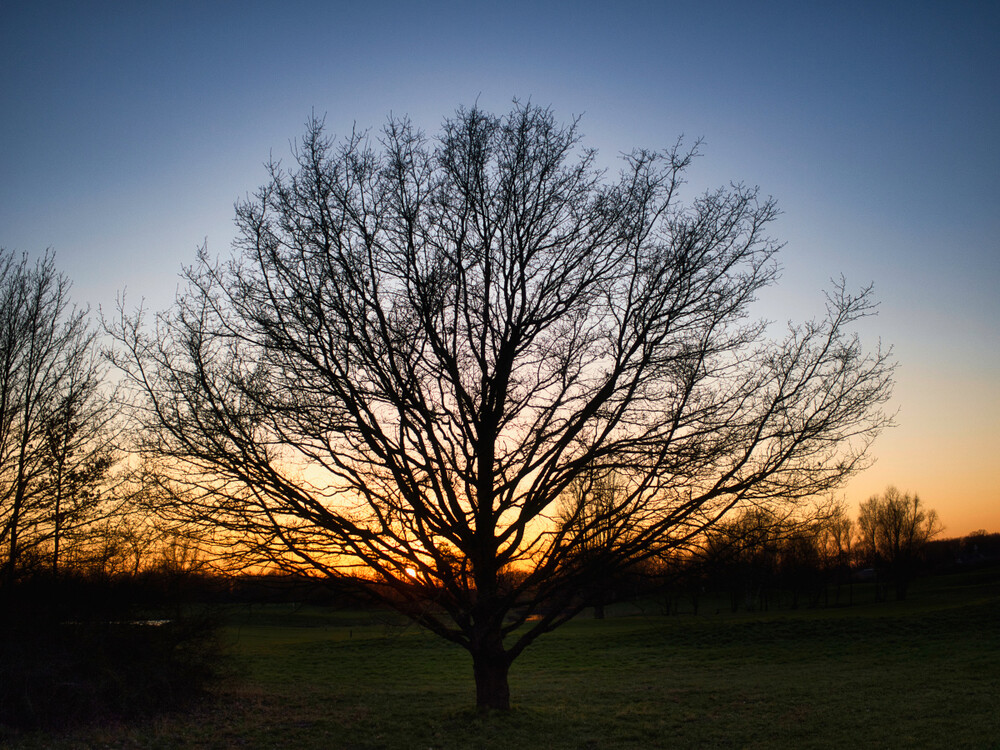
944 449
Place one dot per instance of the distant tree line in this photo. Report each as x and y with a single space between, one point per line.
759 559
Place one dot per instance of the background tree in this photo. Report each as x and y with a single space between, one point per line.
590 514
893 528
743 554
80 455
836 543
52 410
421 344
800 564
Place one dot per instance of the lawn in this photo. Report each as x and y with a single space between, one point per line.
921 673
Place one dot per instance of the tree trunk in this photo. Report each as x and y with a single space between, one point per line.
14 525
490 664
58 526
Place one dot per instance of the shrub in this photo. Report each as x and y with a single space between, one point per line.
61 666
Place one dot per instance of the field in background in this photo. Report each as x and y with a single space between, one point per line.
920 673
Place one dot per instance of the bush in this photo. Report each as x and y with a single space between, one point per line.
59 670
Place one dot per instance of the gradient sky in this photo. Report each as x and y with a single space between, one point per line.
129 129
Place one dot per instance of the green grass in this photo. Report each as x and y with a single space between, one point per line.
921 673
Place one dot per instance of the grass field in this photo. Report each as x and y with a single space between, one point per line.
924 673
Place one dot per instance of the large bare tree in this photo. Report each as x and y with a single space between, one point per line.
420 344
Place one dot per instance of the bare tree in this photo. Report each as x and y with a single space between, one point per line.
591 514
421 344
744 550
893 529
79 451
122 539
836 536
51 407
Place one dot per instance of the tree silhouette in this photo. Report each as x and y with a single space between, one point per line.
420 345
893 528
79 453
591 515
836 537
51 408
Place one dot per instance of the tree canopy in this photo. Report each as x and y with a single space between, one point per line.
420 344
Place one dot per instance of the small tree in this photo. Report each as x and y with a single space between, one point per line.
51 409
422 344
80 455
893 529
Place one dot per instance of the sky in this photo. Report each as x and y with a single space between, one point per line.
128 131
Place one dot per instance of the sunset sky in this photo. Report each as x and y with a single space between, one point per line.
129 129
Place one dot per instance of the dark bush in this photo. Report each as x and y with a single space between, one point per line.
66 665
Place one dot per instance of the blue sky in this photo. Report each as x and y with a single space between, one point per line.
129 129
